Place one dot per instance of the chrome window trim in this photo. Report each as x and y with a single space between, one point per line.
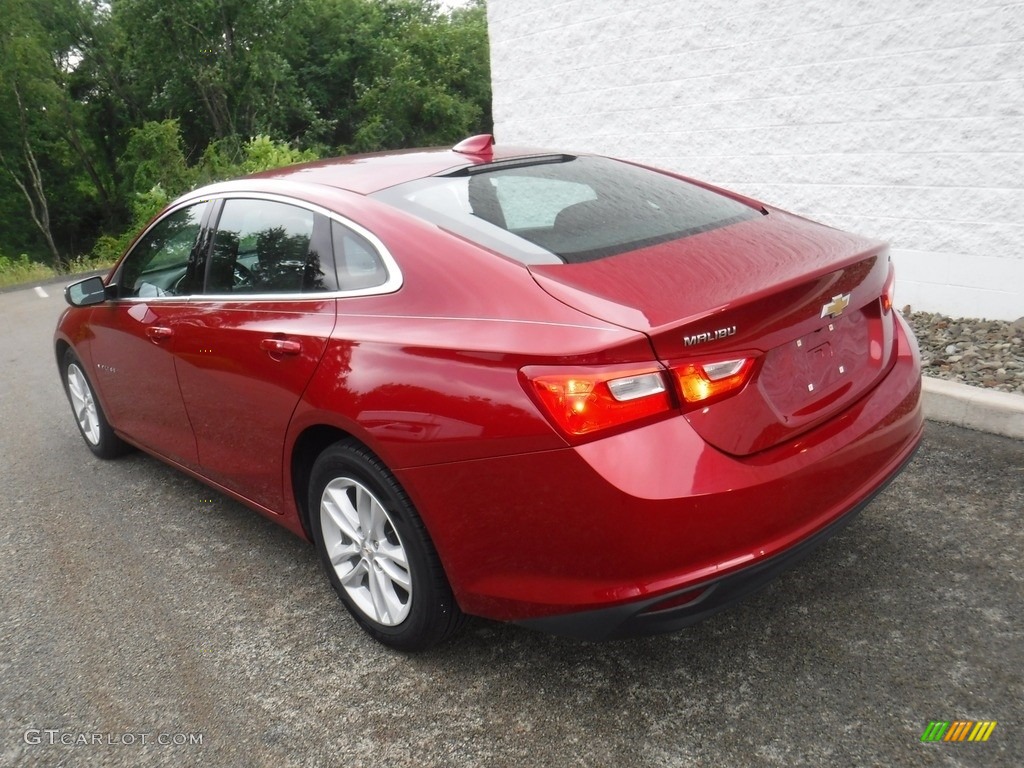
393 282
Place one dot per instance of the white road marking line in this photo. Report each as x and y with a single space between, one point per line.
41 293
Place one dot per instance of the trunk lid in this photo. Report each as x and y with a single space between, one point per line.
800 297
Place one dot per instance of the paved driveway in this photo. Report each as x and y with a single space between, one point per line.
149 621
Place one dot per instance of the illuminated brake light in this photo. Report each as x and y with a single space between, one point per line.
889 290
594 399
700 383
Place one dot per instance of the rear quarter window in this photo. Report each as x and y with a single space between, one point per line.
358 263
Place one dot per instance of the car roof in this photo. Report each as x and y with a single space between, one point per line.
369 173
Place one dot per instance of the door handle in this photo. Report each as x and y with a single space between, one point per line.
281 346
158 333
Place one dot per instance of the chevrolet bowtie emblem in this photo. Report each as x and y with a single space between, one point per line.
835 307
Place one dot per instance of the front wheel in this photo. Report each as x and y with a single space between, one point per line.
377 553
89 416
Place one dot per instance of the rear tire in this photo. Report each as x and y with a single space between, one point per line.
376 551
88 412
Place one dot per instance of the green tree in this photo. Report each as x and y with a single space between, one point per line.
388 74
154 156
429 81
32 98
220 67
49 162
110 107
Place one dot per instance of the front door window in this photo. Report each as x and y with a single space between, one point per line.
165 261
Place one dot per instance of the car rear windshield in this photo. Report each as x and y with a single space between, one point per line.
564 209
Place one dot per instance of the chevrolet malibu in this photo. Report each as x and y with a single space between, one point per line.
576 393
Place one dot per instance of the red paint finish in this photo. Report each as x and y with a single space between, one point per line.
755 289
655 509
240 392
133 371
438 374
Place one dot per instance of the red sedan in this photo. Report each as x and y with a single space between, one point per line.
571 392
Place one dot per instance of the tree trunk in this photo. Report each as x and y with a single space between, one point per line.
32 186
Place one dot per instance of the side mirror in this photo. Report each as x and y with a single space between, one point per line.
86 292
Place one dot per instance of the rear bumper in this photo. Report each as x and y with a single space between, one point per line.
682 608
595 539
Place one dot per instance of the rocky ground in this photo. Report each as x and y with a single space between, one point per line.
982 353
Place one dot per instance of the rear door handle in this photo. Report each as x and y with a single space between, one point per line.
158 333
281 346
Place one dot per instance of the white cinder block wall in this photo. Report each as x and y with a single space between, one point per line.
899 119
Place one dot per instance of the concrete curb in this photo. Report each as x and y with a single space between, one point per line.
985 410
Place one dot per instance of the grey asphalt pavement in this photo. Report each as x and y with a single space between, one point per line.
148 621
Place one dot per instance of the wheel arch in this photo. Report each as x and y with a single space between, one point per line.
60 348
308 445
61 345
311 442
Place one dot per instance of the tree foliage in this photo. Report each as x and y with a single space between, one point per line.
108 109
416 88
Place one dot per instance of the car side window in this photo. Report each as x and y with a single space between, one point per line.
263 246
161 262
358 263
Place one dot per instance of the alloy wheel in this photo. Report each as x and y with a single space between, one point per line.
365 551
83 404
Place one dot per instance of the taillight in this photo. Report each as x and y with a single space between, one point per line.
705 382
588 400
890 288
584 401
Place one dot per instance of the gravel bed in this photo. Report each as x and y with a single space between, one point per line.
982 353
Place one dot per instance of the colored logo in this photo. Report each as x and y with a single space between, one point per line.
835 307
958 730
